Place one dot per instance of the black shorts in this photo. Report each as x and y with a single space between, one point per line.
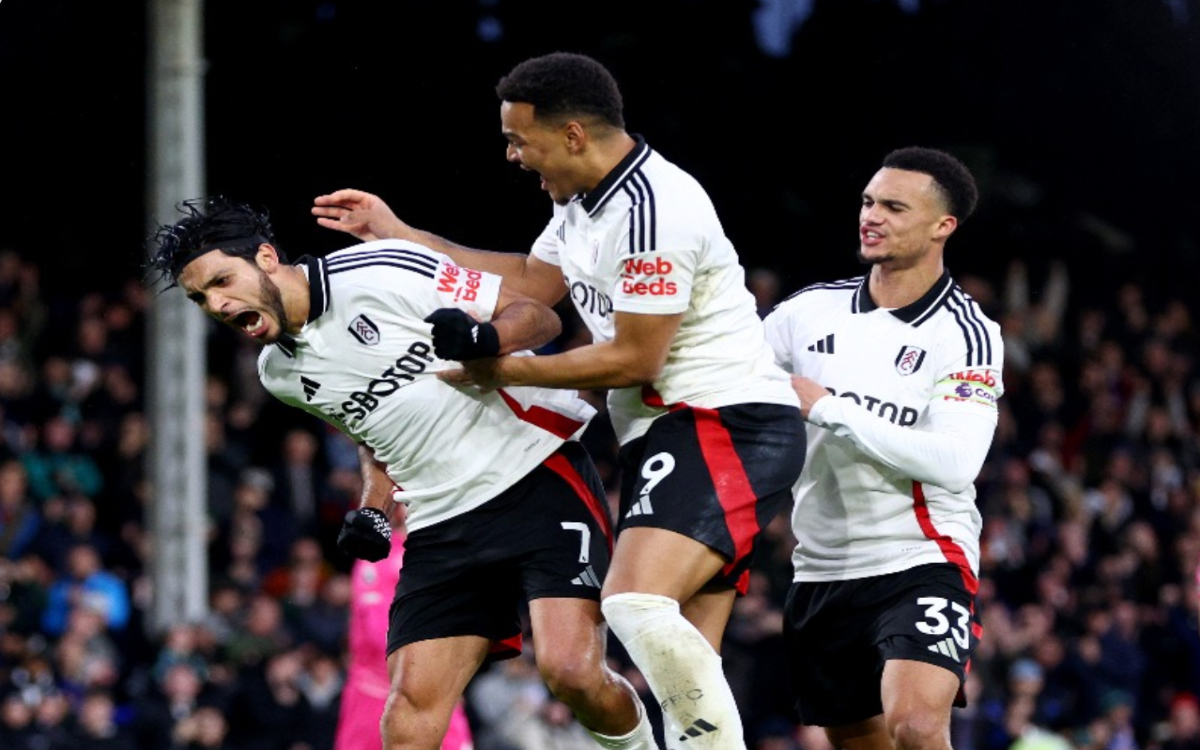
549 535
714 475
839 635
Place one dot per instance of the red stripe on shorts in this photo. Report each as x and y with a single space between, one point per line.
559 464
949 547
539 416
729 479
506 648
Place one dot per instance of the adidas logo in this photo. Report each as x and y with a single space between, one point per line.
587 578
824 346
310 388
698 728
641 508
946 648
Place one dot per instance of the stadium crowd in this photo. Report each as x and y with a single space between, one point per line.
1090 548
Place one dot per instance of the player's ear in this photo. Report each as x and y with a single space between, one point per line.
576 136
945 227
266 258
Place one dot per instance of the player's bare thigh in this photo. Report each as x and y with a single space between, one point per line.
650 560
427 679
917 698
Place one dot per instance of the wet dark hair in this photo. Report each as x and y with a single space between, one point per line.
213 223
951 176
563 85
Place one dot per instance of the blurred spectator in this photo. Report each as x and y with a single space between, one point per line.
765 284
97 728
262 634
1182 730
56 466
300 479
173 698
85 583
17 730
205 729
19 519
270 712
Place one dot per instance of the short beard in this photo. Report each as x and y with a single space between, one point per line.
873 261
273 299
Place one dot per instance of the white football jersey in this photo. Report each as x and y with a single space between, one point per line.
861 507
647 240
364 362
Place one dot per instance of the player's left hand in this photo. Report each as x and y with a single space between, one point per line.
366 534
809 391
484 374
458 336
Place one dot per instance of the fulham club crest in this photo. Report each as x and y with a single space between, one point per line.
909 359
363 329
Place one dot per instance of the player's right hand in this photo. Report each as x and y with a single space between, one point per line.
366 535
359 213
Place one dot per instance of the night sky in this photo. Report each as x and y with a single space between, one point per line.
1081 120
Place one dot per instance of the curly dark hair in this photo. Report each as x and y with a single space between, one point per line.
213 223
563 85
951 176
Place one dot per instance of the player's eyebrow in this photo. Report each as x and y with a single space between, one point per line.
892 203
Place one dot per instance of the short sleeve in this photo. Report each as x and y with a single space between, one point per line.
545 247
476 292
969 381
655 283
778 332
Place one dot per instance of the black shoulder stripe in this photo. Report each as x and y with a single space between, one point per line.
649 207
368 263
637 242
958 318
826 285
643 217
975 315
979 345
413 256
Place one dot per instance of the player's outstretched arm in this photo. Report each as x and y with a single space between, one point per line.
367 217
635 356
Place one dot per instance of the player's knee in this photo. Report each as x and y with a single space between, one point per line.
632 614
917 729
572 679
407 724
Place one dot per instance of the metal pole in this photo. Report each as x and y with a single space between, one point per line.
176 330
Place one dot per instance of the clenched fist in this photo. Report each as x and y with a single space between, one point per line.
460 337
366 535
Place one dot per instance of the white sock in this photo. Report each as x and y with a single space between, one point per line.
682 670
640 738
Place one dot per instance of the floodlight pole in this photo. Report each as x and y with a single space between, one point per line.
176 362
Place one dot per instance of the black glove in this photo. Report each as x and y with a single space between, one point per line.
366 534
460 337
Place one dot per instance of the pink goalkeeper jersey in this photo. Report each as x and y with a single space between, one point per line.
373 586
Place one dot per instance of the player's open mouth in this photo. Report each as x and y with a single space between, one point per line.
253 323
871 238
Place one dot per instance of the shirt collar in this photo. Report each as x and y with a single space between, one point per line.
915 313
318 285
597 197
318 297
